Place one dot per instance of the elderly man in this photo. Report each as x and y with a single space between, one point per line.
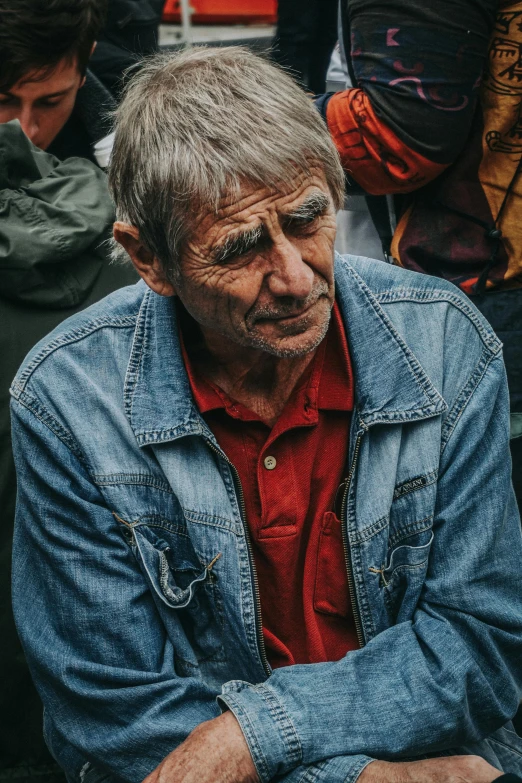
265 524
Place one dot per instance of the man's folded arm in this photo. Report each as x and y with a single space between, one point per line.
452 674
339 769
95 644
104 668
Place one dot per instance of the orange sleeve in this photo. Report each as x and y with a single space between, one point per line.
370 152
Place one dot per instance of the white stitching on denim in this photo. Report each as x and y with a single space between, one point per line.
463 398
136 355
438 295
414 365
281 716
69 338
131 479
354 775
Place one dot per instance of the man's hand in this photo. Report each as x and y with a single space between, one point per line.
215 752
450 769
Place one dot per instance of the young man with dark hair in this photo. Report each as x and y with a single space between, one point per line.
45 47
55 212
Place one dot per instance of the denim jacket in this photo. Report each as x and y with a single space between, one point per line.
134 587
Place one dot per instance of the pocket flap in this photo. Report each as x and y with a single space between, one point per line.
175 588
407 555
176 597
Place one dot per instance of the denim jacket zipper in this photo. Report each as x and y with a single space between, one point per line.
253 571
344 533
255 581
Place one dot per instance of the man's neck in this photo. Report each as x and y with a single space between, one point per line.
261 382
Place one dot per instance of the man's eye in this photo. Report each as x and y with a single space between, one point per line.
226 259
299 223
6 100
48 103
234 255
236 252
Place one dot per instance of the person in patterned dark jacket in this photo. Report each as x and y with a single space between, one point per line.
435 120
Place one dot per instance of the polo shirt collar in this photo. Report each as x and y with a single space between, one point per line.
327 383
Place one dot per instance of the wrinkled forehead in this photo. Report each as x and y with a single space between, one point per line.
251 204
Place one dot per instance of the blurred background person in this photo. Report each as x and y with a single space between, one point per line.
356 232
62 65
55 217
131 32
305 37
430 131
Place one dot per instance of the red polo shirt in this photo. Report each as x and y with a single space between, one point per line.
290 475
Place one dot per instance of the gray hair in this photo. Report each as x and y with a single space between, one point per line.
197 125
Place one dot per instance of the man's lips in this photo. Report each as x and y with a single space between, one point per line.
287 318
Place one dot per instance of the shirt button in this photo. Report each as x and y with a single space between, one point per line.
270 463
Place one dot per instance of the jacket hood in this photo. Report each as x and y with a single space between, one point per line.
54 218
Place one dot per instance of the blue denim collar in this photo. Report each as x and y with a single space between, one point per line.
390 384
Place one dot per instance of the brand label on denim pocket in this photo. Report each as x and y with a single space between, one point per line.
410 486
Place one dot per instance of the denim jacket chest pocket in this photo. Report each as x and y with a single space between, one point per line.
403 575
184 585
403 572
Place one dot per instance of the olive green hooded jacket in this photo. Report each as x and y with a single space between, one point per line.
55 218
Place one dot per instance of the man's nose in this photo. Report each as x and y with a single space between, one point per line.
290 275
29 123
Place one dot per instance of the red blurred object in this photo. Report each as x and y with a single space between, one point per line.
224 11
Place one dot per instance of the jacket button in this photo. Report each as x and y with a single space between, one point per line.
270 463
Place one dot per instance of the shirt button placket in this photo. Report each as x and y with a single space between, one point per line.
270 462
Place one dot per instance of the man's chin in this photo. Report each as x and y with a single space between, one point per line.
297 341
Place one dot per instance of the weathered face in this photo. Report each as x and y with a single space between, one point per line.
42 105
260 273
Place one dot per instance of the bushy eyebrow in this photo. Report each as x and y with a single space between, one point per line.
315 205
237 244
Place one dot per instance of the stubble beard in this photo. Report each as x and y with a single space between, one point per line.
258 341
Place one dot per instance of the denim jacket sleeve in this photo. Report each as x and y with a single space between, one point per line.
105 690
452 674
339 769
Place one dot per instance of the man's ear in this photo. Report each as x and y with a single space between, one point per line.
147 264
